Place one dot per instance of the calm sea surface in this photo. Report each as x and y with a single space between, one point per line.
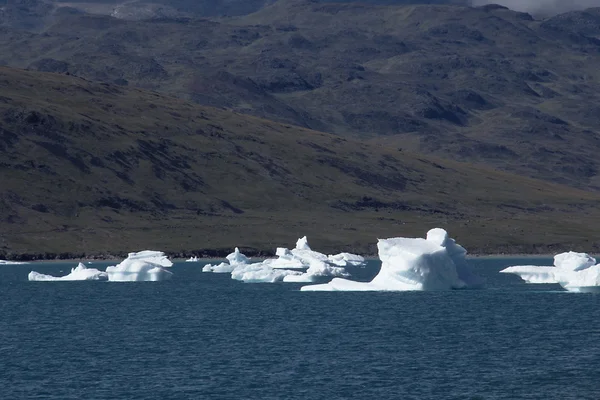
206 336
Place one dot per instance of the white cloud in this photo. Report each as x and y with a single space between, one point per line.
542 6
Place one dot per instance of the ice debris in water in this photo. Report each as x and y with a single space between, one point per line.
145 265
192 259
434 263
79 273
575 272
300 264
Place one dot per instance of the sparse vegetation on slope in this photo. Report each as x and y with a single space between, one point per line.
484 85
97 168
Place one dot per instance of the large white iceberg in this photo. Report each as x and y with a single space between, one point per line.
79 273
575 272
435 263
145 265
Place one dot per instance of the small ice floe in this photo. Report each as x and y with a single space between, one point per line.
575 272
5 262
193 259
79 273
147 265
434 263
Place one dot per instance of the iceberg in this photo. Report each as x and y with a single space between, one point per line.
5 262
233 260
434 263
575 272
79 273
301 264
532 273
345 259
192 259
261 273
145 265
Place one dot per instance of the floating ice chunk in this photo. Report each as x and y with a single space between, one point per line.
458 254
137 271
575 272
316 270
533 273
154 257
302 244
343 285
302 278
345 259
5 262
259 272
237 258
573 261
142 266
587 280
319 268
233 260
413 264
300 264
223 268
192 259
298 258
286 260
79 273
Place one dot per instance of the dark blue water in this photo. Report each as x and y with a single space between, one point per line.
205 336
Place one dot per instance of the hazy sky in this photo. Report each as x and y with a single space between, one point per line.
542 6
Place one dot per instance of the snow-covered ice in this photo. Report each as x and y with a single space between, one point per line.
434 263
145 265
79 273
575 272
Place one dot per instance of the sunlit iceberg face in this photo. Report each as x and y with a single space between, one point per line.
575 272
435 263
79 273
144 266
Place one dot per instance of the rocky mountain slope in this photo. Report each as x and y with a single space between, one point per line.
483 85
96 168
